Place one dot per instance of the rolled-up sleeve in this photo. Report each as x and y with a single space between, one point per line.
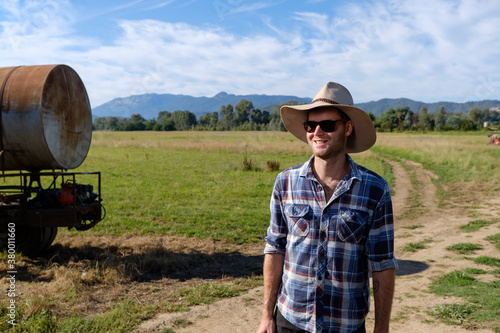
277 231
380 242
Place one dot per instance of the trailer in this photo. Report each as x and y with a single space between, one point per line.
46 130
31 213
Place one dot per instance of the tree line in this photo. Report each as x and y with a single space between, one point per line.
244 116
404 119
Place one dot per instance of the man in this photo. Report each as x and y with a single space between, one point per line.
331 224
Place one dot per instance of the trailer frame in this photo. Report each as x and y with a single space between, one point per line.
37 218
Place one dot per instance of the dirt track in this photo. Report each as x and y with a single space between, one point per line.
439 229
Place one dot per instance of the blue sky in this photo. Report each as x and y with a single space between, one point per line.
430 51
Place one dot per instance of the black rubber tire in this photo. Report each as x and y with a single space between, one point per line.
28 239
31 241
51 233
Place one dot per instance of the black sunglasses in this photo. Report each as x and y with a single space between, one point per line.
326 126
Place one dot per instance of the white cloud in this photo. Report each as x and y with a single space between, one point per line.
242 7
33 32
162 4
428 50
316 21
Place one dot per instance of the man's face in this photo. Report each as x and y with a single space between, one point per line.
327 145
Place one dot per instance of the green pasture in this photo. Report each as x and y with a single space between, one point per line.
193 183
196 184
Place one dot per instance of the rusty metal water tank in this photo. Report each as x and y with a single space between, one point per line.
45 118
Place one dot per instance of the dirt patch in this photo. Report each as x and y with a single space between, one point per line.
437 227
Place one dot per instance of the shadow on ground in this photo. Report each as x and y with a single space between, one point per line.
157 262
410 267
143 265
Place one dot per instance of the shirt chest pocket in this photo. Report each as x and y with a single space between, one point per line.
298 216
351 225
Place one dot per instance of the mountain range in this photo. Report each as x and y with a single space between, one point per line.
148 105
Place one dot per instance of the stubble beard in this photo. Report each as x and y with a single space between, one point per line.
334 148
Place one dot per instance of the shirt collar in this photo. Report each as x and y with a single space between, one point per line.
306 170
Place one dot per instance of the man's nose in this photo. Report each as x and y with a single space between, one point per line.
318 130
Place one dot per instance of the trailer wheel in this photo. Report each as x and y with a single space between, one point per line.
53 235
33 240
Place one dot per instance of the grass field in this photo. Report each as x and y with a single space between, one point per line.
195 183
211 186
452 157
201 184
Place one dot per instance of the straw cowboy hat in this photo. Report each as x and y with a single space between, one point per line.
332 95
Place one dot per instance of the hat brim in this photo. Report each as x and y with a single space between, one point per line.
362 138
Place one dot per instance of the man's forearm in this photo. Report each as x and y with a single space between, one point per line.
273 271
383 293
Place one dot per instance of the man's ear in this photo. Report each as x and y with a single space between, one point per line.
349 128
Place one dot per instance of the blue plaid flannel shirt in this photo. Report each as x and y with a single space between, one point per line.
330 247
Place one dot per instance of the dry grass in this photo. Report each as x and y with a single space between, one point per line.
86 275
468 156
232 141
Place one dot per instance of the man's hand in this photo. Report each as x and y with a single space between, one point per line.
383 293
267 326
